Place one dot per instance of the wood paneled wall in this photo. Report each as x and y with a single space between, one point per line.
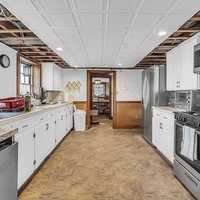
127 114
81 105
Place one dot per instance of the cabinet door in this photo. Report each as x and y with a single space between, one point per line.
168 138
50 141
156 130
44 141
57 78
26 155
174 69
189 78
60 127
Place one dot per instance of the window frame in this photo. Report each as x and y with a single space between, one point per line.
22 59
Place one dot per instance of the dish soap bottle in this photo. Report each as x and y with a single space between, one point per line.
27 99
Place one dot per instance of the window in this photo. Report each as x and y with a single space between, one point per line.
25 78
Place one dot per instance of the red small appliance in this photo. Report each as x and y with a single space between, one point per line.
12 104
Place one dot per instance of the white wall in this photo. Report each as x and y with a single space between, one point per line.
76 75
129 85
8 75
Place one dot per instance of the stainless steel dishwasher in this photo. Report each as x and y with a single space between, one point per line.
8 169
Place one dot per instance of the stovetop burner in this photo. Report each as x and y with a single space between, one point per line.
189 118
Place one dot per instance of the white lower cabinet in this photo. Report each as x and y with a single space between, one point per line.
44 141
163 133
60 127
37 137
26 155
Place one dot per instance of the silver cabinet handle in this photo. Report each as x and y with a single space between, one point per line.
47 127
161 126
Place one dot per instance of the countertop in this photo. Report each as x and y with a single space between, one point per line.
35 110
168 109
6 133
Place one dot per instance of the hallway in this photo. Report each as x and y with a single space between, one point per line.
105 164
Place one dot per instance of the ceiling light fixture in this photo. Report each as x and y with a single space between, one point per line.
162 33
120 64
59 49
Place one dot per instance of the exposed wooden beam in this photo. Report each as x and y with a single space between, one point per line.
195 18
166 46
15 31
32 52
178 38
188 31
156 56
30 47
8 19
46 59
18 38
44 56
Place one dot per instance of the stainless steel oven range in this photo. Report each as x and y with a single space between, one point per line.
187 150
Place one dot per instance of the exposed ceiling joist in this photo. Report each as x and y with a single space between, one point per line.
30 47
43 56
18 38
195 18
8 19
15 31
188 30
178 38
32 52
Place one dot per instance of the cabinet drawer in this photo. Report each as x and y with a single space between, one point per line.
157 112
25 124
168 116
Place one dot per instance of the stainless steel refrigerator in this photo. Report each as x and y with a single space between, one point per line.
153 94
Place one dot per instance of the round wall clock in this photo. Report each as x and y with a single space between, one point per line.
4 61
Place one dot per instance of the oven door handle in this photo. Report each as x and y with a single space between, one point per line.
179 124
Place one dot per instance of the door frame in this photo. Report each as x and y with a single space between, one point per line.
101 73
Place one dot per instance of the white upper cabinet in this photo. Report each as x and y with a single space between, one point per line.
188 63
180 75
174 64
51 77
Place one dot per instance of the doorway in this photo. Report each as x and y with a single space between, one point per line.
101 86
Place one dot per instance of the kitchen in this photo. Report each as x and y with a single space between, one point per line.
132 65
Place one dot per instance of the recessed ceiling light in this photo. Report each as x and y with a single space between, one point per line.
59 49
162 33
120 64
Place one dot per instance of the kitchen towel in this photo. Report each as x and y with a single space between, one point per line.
195 146
185 141
191 147
188 146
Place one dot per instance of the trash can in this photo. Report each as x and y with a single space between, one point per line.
80 120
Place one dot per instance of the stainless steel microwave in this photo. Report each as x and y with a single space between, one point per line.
197 58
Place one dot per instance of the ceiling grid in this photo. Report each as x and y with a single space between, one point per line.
101 33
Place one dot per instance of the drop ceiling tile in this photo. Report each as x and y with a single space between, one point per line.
25 6
156 6
91 20
142 21
54 6
89 5
63 20
68 35
124 5
173 22
119 19
185 7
